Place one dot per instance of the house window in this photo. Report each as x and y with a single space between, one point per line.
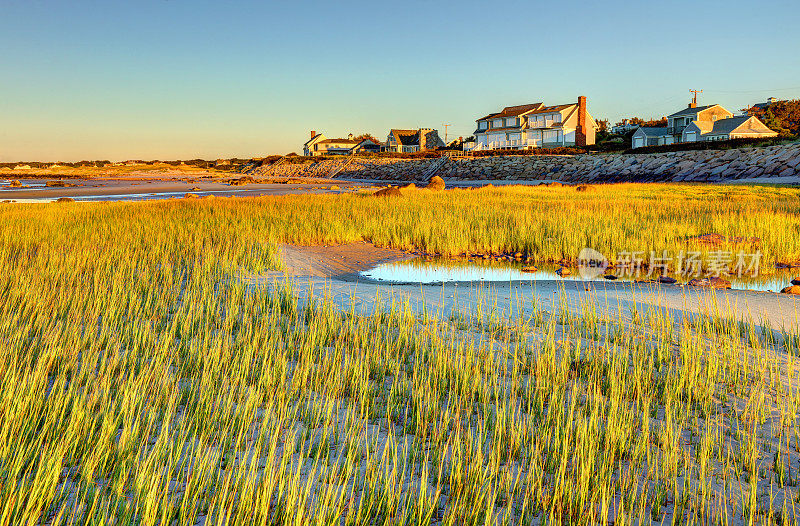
512 122
497 123
482 125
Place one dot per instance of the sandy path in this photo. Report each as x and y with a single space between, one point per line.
339 262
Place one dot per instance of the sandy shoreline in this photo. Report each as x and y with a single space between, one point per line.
101 189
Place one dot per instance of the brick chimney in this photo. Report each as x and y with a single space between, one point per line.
580 130
313 134
693 104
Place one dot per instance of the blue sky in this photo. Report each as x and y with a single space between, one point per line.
172 79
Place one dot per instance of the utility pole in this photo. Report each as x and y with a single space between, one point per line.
445 132
695 91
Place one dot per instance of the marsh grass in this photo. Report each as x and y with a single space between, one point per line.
551 224
142 382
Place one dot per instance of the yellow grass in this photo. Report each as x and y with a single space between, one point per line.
141 382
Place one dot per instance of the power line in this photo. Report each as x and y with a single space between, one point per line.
755 90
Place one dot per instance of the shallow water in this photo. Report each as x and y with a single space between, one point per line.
449 271
26 183
154 195
143 196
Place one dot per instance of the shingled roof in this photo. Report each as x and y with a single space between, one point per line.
514 111
692 111
654 132
728 125
406 137
340 141
551 109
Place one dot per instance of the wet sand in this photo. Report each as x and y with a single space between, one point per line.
132 189
332 273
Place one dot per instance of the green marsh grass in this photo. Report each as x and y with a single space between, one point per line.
142 382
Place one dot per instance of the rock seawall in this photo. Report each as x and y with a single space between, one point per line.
773 162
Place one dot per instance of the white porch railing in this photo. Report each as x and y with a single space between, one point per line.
514 144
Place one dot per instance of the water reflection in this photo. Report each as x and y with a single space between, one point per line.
449 270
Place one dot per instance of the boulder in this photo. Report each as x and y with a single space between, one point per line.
15 183
242 181
611 277
530 268
563 271
436 183
667 280
191 196
794 290
585 188
391 191
796 281
712 282
65 200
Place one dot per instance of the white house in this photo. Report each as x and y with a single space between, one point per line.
701 123
623 127
534 126
319 145
309 148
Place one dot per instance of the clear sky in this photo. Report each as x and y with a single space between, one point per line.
170 79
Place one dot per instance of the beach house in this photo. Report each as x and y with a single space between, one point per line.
701 123
318 144
407 141
535 126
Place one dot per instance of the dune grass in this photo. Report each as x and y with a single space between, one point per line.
548 224
142 382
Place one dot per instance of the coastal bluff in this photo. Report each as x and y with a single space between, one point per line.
773 164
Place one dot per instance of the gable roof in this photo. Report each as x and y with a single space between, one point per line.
703 126
406 137
514 111
339 141
728 125
314 139
691 111
553 109
652 132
